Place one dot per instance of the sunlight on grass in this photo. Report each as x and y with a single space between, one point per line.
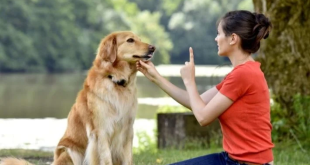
283 156
146 153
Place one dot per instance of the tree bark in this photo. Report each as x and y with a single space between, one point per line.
181 130
285 55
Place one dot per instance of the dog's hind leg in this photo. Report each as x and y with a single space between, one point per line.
62 157
67 156
76 157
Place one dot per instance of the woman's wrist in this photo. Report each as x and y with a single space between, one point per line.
191 88
158 79
190 83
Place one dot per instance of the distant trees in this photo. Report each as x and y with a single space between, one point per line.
62 35
193 23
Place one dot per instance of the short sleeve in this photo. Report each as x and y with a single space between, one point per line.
235 84
219 86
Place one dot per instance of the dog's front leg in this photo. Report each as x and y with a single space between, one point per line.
91 155
104 150
128 150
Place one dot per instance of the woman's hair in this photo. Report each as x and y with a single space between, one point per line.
250 27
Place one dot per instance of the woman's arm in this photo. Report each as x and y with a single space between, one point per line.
178 94
208 95
205 113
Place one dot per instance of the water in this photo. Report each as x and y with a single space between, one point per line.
52 95
34 107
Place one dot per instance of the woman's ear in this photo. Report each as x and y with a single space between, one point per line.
108 48
234 39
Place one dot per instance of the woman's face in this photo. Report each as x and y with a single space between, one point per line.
222 41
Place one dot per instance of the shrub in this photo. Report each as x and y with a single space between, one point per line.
292 124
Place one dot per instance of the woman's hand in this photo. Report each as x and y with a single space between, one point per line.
188 71
148 69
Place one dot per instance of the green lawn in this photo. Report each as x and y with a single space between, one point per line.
283 156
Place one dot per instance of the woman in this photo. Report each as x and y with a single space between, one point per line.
241 101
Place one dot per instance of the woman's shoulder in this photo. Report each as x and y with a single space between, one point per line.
246 72
247 68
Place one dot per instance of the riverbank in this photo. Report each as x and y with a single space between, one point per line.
44 134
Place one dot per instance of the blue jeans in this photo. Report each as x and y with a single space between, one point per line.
212 159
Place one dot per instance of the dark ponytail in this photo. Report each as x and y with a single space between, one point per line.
250 27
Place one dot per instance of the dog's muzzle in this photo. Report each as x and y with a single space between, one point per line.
149 54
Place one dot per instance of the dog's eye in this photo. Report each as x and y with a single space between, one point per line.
130 40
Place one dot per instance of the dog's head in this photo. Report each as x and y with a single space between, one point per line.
117 54
124 46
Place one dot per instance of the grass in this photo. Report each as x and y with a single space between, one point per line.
284 155
169 156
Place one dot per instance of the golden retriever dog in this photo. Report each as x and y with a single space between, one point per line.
100 123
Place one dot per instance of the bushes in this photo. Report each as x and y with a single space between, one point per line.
292 124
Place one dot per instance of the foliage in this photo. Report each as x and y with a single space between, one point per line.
147 26
172 109
63 35
193 23
292 126
146 143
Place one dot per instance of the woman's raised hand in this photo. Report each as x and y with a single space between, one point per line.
188 71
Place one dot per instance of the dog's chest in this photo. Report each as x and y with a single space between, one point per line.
113 110
121 103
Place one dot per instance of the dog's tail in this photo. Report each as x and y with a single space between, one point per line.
14 161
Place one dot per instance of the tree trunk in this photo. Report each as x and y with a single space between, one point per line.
182 131
285 55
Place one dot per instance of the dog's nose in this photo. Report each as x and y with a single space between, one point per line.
152 48
121 82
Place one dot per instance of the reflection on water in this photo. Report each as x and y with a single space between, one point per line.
52 95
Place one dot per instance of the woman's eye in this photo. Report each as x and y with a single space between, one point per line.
130 40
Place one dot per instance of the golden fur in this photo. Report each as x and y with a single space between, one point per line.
100 123
14 161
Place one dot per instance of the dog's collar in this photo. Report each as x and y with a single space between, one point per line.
119 83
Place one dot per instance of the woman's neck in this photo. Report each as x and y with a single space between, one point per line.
239 57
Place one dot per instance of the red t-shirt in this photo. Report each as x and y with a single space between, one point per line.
246 123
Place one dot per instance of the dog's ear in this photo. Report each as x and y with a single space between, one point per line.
108 48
